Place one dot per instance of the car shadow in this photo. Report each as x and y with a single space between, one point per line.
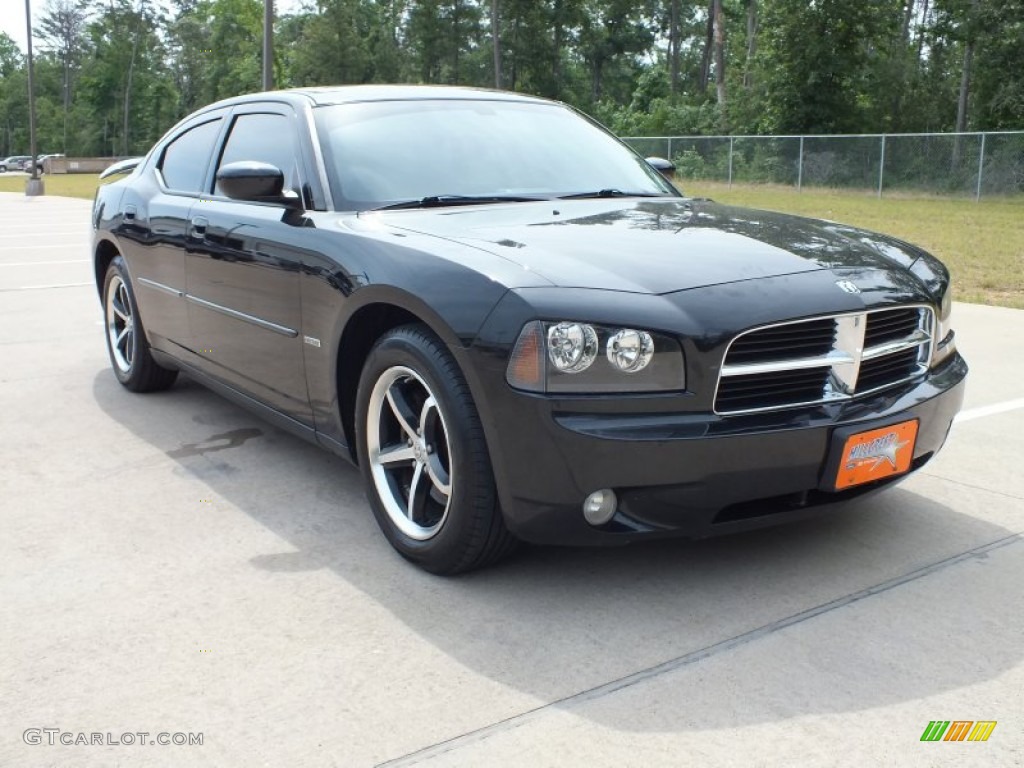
552 621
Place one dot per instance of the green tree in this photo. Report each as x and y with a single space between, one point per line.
124 85
13 97
612 38
61 30
816 62
440 35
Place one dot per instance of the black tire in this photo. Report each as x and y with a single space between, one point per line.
130 358
459 532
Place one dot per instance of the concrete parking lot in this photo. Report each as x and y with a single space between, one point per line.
170 563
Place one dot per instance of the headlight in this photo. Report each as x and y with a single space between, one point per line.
630 351
565 357
572 347
945 338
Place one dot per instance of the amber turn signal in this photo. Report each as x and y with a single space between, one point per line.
526 366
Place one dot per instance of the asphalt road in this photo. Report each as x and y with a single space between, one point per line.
170 563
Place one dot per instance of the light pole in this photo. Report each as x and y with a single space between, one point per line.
268 44
34 185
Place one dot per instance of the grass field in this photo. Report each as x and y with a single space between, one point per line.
981 243
62 185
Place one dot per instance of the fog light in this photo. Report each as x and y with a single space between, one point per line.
600 506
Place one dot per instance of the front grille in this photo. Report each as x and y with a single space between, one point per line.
885 370
891 325
823 359
771 390
785 342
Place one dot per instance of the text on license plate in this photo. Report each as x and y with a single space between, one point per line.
878 453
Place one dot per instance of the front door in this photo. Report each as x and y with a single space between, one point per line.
244 304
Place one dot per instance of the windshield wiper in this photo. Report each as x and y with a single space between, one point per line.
609 193
437 201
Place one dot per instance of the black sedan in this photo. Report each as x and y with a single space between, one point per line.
514 325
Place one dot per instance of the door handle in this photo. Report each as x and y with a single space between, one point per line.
129 212
198 229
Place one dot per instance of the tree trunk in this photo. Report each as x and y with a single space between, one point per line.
719 53
963 100
674 42
67 100
920 31
128 91
515 54
558 49
908 14
965 88
496 43
965 75
456 6
705 60
751 41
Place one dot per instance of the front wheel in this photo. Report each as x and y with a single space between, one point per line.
423 456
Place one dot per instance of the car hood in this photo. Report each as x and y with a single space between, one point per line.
653 245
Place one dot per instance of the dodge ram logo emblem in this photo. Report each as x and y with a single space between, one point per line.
848 286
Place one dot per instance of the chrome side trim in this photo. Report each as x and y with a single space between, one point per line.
318 157
265 324
160 287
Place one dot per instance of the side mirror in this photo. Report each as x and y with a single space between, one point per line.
255 181
665 167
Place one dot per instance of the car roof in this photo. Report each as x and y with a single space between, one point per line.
347 94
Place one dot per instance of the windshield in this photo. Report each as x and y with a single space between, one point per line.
380 153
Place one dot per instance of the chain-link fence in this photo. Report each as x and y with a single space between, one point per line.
974 164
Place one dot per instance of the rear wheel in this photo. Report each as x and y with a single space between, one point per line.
423 456
129 352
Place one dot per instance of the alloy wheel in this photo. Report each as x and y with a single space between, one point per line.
409 453
120 324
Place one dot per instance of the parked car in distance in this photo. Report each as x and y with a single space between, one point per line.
514 325
42 158
13 163
26 164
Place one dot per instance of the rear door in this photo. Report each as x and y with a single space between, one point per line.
242 269
155 214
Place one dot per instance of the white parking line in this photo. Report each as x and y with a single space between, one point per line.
75 230
36 247
990 410
40 263
44 287
68 233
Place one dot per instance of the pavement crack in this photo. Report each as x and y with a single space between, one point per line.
722 646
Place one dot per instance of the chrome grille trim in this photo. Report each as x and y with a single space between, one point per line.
845 359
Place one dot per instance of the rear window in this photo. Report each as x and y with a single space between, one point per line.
186 158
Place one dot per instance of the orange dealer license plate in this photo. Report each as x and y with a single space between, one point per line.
875 454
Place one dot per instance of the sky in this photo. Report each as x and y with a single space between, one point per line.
12 17
12 20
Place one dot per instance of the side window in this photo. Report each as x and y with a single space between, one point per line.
266 138
186 158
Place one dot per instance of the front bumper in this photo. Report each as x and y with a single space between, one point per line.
683 473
